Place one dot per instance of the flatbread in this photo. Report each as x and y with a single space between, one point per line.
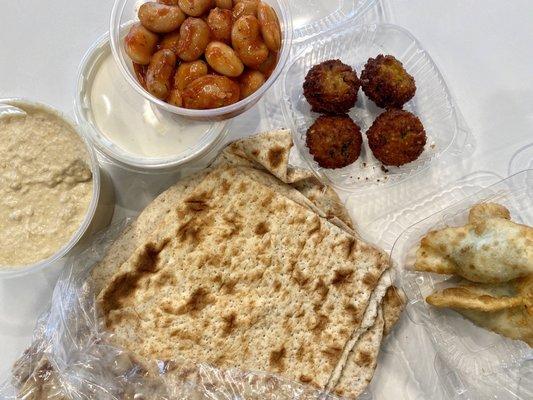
137 232
268 152
489 249
362 362
393 306
292 274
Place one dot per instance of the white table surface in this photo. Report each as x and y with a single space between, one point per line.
484 48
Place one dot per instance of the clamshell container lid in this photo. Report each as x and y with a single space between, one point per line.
314 17
522 160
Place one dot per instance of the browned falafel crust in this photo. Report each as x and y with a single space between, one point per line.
331 87
386 82
396 137
334 141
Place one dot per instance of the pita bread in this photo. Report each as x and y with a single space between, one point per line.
291 285
261 151
205 382
393 306
269 153
359 370
489 249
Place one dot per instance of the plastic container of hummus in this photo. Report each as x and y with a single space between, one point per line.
53 193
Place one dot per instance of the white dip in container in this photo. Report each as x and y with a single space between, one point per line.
127 128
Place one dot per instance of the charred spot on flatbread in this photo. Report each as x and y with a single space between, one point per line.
199 299
332 354
342 277
321 322
275 156
261 228
123 285
277 359
230 323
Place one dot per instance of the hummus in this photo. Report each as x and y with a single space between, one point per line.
45 185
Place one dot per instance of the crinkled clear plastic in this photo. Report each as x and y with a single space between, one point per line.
72 357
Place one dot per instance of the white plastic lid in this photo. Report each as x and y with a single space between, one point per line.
128 128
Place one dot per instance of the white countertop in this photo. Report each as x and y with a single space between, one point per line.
484 48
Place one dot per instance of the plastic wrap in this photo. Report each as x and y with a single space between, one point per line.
72 357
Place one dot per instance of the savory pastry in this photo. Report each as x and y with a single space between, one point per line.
396 137
331 87
489 249
505 308
334 141
385 81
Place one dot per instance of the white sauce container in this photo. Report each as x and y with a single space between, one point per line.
130 130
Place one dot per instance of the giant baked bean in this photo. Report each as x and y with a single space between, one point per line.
195 8
140 44
174 98
220 22
210 91
245 7
268 66
270 27
194 38
227 4
250 81
159 73
140 73
170 41
223 59
188 72
247 41
160 18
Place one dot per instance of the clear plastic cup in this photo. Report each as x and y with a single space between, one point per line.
124 13
98 213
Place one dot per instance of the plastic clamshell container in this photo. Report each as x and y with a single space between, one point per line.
469 352
99 211
127 128
124 14
312 17
522 159
353 45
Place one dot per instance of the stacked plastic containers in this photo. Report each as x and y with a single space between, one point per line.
432 354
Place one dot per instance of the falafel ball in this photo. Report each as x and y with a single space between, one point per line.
386 82
331 87
334 141
396 137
